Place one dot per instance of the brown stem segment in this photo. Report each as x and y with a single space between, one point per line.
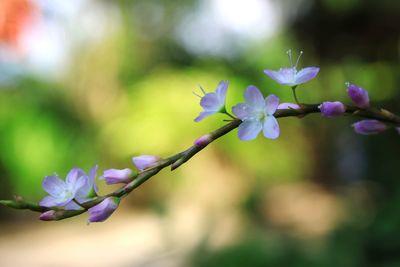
179 159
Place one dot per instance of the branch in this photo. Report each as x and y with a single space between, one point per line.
179 159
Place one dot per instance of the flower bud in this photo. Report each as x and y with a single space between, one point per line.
116 176
49 215
332 109
144 162
103 210
203 140
286 105
369 127
358 95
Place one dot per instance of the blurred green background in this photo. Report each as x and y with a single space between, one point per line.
97 82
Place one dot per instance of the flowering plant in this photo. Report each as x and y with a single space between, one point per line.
78 193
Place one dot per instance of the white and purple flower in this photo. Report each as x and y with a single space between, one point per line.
103 210
290 76
257 114
77 186
213 103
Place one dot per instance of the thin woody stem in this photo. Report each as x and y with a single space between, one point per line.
179 159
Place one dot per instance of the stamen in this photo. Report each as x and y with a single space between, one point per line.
201 88
196 94
289 52
298 58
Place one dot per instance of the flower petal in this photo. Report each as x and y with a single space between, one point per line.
275 75
242 111
271 104
254 97
248 130
271 128
54 185
72 206
73 175
48 201
306 74
210 102
204 114
221 91
92 178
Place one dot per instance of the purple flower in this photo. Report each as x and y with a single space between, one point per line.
87 192
145 161
398 129
290 76
358 95
369 127
115 176
103 210
62 192
257 114
77 185
332 109
213 102
288 106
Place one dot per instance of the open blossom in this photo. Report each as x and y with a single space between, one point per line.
332 109
358 95
213 102
103 210
77 185
290 76
367 127
62 192
145 161
115 176
257 114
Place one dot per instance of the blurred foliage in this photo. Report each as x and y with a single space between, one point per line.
131 93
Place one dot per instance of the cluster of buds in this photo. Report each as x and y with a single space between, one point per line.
360 99
257 113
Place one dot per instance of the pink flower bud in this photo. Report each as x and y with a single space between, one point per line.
115 176
369 127
203 140
49 215
332 109
358 95
145 161
102 211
